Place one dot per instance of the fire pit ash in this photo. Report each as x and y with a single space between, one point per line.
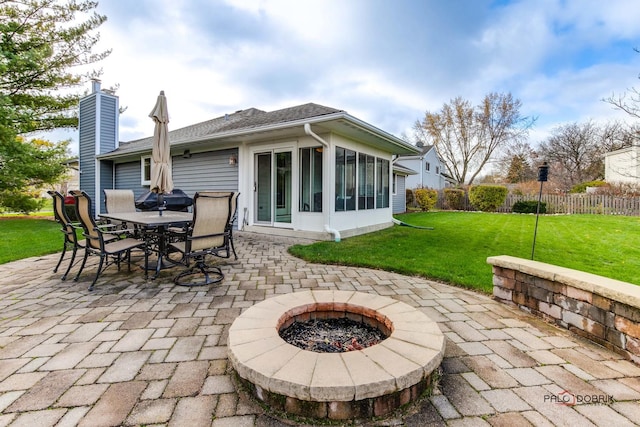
332 335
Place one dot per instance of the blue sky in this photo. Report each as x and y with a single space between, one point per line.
386 62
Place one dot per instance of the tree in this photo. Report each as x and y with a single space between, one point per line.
29 165
575 150
40 42
629 102
516 164
466 138
519 170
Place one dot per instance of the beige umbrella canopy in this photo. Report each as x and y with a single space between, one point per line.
161 179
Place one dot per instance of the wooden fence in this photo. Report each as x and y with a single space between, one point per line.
569 204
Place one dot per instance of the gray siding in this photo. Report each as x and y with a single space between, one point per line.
202 171
205 171
106 181
128 177
89 122
108 117
87 145
399 199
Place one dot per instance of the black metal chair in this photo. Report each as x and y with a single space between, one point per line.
68 228
208 235
99 240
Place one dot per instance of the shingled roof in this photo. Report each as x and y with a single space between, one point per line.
249 119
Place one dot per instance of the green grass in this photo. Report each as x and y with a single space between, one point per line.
457 249
454 252
27 237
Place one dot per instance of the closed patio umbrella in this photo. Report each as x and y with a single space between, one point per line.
161 179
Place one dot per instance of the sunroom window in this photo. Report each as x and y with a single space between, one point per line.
311 179
382 183
366 186
373 178
345 179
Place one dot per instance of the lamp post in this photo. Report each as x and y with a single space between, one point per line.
543 175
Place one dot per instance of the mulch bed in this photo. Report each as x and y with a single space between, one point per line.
331 335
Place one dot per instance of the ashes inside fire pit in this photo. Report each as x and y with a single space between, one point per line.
332 335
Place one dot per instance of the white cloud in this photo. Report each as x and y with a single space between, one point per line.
384 62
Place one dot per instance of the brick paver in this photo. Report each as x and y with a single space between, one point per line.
137 352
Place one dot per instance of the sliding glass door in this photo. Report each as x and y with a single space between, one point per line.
272 186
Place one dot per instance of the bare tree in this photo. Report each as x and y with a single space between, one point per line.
466 137
629 102
616 135
575 151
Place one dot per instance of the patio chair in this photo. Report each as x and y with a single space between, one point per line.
116 201
99 240
232 218
208 235
68 229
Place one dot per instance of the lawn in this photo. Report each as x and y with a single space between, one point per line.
455 251
27 237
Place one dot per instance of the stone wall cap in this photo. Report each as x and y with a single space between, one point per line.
624 292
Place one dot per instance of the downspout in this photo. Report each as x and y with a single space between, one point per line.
327 222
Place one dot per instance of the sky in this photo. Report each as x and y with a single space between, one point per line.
386 62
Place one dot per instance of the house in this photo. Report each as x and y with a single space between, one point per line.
72 177
429 168
398 186
623 166
307 170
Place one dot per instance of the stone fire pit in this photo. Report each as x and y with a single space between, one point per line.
356 384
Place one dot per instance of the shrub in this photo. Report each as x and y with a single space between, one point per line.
426 198
582 187
529 206
454 198
409 197
23 202
487 198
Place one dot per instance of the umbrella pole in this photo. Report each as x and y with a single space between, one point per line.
160 203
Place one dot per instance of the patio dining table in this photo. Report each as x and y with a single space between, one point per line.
153 225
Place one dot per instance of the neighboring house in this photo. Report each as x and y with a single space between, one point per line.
307 170
623 166
429 168
72 181
398 187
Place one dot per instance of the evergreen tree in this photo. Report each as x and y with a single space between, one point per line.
42 43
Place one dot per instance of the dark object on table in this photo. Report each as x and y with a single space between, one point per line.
177 200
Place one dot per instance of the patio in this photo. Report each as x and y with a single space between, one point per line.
137 352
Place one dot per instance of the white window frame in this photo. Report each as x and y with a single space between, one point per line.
394 184
143 161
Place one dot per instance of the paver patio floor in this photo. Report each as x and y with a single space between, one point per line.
137 352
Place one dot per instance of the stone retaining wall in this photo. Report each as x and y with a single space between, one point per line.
604 310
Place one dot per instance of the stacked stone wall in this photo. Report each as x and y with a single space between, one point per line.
604 310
